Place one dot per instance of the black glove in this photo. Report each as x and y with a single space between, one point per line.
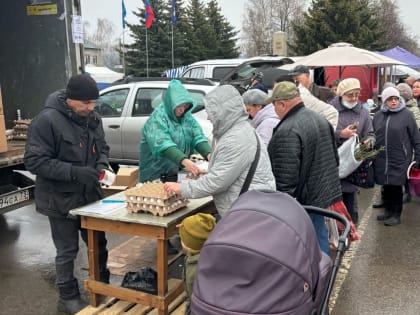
84 174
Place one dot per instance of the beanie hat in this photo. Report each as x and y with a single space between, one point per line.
389 92
258 76
347 85
82 87
195 230
405 91
254 97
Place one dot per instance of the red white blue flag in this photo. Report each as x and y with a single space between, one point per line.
150 15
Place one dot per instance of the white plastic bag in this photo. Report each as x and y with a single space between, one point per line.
348 163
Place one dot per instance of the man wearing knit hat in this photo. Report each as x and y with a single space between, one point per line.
66 149
194 231
303 155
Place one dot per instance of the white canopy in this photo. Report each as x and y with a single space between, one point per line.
103 74
344 54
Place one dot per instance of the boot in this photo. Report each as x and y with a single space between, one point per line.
395 219
71 306
385 216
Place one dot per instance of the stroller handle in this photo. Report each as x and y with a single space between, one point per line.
342 242
332 215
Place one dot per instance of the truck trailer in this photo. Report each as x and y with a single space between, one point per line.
41 49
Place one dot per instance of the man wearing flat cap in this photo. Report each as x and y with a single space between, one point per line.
302 75
66 149
303 155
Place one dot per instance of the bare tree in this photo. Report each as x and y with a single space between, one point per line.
263 18
394 31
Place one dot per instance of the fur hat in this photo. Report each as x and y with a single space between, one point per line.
195 230
254 97
389 92
82 87
347 85
405 91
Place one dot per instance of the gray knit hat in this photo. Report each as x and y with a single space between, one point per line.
254 97
405 91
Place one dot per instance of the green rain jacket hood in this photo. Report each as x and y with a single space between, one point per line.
164 130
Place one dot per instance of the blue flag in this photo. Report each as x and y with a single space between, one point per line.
173 16
124 13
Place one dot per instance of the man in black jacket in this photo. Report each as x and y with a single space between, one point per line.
66 149
303 155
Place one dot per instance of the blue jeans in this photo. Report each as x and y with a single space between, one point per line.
321 232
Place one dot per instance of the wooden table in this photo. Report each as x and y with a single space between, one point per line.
139 224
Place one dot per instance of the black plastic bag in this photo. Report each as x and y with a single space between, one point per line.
144 280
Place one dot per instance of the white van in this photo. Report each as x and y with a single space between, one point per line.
214 69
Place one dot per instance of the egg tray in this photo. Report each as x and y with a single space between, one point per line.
151 197
157 210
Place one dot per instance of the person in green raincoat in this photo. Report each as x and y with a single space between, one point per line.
170 136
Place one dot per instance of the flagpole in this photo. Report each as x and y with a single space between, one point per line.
123 53
147 57
173 63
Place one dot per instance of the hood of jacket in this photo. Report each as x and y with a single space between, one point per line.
176 95
385 109
57 101
225 108
265 113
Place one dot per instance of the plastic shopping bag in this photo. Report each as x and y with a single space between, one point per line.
348 163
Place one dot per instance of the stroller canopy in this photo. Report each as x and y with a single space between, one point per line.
263 257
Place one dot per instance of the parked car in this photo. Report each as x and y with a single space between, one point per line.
214 69
125 107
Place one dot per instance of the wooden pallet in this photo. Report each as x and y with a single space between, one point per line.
114 306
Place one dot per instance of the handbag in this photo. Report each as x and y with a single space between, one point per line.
348 163
363 176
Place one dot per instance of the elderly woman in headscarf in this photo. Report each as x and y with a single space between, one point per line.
353 119
396 130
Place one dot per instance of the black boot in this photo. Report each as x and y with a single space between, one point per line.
70 301
71 306
385 216
395 219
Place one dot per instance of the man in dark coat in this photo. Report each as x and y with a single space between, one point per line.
66 149
303 155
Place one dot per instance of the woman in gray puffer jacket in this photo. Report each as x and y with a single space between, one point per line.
396 130
353 118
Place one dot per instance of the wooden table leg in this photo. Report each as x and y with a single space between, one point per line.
162 271
93 255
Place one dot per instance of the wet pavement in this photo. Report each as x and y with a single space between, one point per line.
379 274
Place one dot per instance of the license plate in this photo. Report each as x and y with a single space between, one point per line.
14 198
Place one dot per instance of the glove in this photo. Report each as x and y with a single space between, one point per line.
84 174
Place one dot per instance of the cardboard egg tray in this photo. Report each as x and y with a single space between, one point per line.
151 197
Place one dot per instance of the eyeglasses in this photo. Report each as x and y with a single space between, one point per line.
393 98
352 95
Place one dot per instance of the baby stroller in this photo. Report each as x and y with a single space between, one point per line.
263 257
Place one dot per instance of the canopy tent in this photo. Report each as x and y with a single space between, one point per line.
403 55
103 75
344 54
